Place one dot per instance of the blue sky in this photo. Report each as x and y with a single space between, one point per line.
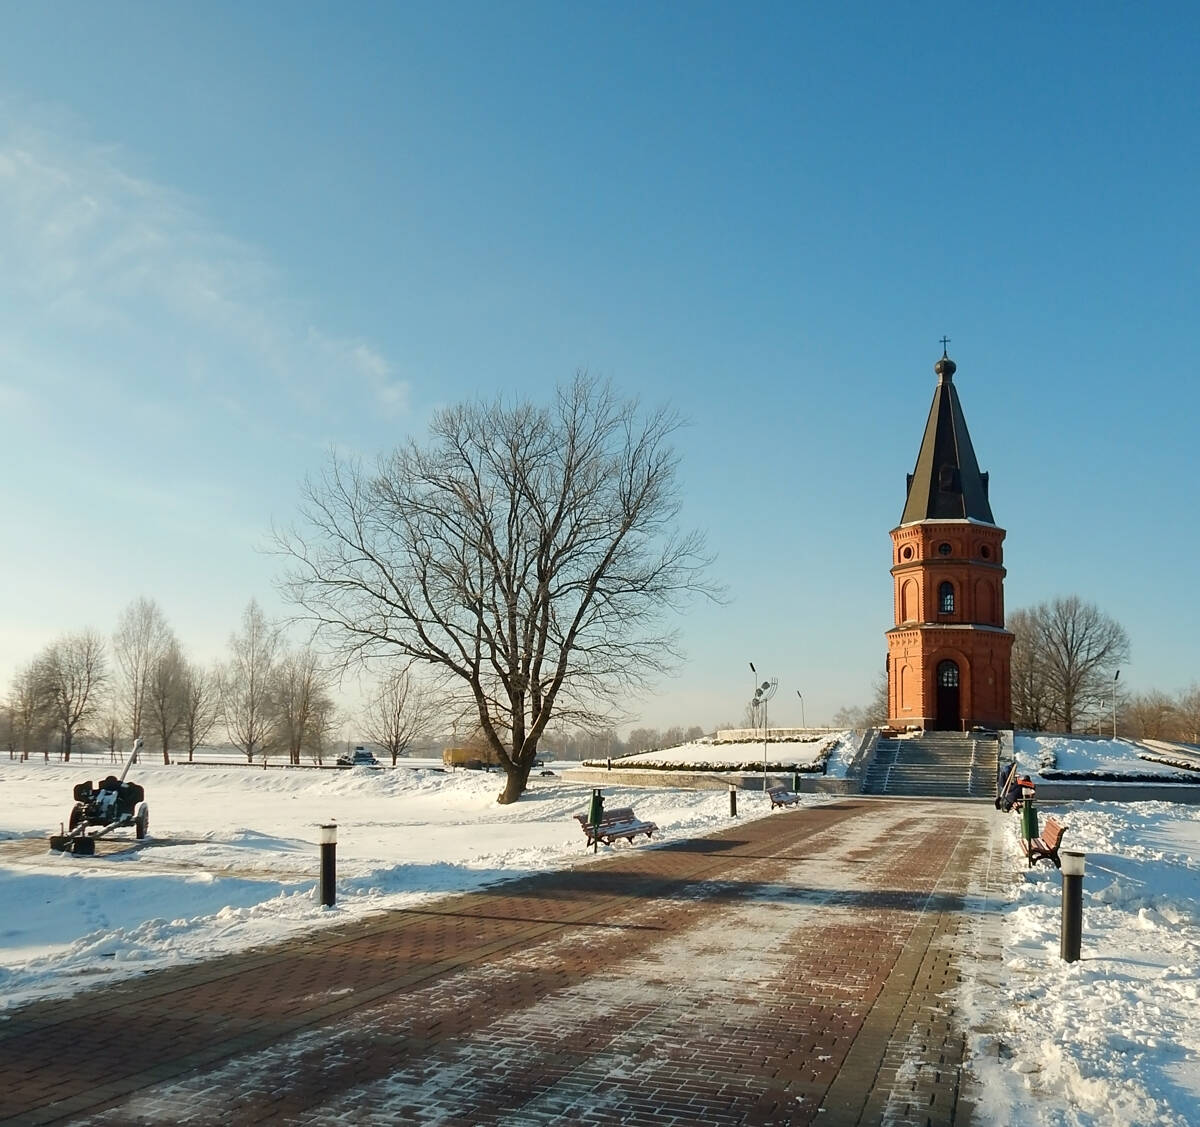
232 236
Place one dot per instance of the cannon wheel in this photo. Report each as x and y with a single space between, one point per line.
76 816
141 821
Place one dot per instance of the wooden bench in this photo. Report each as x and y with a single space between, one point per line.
1046 845
781 796
620 821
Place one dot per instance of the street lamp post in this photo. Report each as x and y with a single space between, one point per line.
762 694
803 722
1116 677
765 730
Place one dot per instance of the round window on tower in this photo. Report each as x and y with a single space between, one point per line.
943 549
985 552
906 553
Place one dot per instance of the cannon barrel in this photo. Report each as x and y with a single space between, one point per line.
137 744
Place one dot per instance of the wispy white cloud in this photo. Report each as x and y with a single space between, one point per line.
369 367
99 255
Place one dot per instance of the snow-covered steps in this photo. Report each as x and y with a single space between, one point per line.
937 764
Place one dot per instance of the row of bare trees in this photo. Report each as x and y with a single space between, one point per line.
76 687
1160 716
266 699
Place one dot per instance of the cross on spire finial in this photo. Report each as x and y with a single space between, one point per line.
945 342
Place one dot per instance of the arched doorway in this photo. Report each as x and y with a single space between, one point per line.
947 697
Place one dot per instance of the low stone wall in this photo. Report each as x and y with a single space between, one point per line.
1058 790
810 783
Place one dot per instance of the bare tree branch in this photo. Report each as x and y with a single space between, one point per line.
530 554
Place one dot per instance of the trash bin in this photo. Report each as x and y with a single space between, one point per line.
1029 822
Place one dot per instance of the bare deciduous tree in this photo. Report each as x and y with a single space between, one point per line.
111 727
29 711
1150 716
301 695
1078 651
587 743
201 705
644 739
141 637
1187 714
166 696
874 714
323 726
528 554
1030 686
397 714
248 683
73 671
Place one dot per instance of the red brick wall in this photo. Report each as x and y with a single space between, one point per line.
969 557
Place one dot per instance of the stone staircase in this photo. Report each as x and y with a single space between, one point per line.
935 764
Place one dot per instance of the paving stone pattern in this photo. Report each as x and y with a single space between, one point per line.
788 970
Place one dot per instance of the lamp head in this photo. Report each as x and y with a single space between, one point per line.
1072 862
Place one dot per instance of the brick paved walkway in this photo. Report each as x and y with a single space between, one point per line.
783 971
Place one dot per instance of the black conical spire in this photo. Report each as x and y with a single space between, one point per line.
946 483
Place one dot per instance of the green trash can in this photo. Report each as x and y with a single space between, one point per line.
1029 822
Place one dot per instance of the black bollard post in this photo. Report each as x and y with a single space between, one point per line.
1072 905
328 864
796 782
733 801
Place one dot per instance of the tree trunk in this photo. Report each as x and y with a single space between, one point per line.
514 786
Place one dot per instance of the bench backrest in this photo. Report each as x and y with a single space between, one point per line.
619 814
1052 833
609 817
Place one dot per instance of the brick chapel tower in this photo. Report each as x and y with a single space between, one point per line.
948 654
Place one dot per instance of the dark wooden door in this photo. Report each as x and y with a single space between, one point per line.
948 719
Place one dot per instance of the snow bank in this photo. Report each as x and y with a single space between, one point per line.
1111 1039
705 755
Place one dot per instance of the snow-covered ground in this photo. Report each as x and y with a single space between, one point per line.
232 860
1113 1038
1067 756
232 863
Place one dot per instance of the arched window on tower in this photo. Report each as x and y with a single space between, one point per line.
946 598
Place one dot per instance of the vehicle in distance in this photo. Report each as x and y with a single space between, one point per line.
361 758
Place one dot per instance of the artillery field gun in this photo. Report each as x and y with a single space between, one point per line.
112 804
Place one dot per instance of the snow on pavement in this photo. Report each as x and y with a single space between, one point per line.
232 859
1113 1038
